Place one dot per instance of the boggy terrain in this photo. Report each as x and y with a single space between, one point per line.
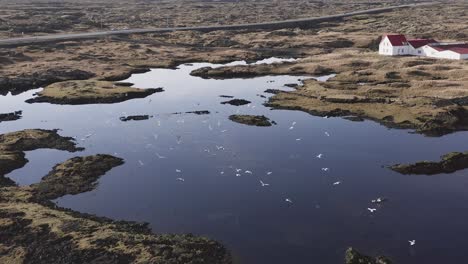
89 92
407 92
33 17
35 230
423 94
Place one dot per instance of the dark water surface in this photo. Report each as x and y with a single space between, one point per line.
255 222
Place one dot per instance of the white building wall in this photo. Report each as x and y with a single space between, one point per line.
446 54
386 48
416 52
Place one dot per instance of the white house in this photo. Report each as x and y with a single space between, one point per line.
397 44
392 45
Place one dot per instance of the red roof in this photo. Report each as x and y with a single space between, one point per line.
417 43
457 48
397 40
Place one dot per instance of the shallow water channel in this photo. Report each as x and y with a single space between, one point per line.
256 222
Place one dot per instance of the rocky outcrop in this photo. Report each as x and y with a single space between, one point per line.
237 102
449 163
352 256
14 144
74 176
89 92
11 116
34 80
135 118
252 120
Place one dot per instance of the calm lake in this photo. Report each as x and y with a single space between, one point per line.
222 163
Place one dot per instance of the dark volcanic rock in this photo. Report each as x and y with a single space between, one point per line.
10 116
252 120
38 79
124 84
272 91
95 100
74 176
354 118
352 256
449 163
134 118
237 102
200 112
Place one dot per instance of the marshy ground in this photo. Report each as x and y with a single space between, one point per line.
426 95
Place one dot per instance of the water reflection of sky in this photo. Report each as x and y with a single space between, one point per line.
255 222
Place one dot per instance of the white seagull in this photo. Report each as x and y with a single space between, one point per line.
378 200
288 200
412 242
264 184
225 130
319 155
293 123
291 128
325 169
160 157
269 173
238 175
178 171
371 210
180 179
336 183
327 134
248 172
141 163
238 170
298 139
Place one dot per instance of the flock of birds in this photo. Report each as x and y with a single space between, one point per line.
239 172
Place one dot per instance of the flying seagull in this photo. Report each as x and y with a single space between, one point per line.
288 200
141 163
248 172
319 155
371 210
327 134
325 169
178 171
412 242
336 183
160 157
264 184
269 173
180 179
378 200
